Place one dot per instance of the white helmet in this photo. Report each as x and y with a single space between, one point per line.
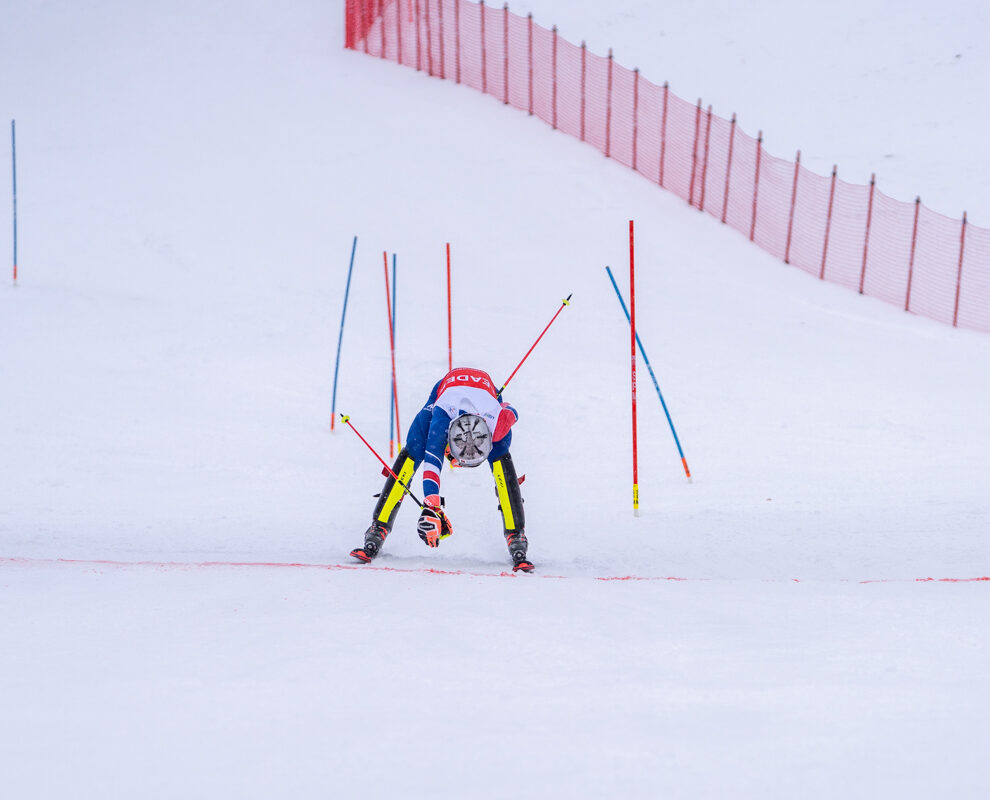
469 439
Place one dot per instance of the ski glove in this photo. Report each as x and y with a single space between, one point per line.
433 524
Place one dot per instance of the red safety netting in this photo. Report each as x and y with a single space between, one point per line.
850 234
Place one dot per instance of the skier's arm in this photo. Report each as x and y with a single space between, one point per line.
433 393
436 442
506 419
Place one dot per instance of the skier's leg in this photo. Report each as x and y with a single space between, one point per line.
388 503
393 492
510 503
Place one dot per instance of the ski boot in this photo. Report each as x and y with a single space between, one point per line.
517 550
510 504
374 538
389 501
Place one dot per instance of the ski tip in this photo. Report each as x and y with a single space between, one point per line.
360 555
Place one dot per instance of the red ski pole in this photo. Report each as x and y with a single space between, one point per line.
450 335
565 302
345 420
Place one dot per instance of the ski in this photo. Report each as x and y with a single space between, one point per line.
521 566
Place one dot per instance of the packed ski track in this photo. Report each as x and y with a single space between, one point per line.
178 611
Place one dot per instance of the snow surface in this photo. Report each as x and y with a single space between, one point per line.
177 611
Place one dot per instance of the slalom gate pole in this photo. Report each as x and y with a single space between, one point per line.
563 303
13 164
656 384
632 344
340 337
346 420
395 385
391 339
450 337
391 399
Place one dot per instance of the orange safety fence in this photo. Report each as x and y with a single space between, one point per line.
851 234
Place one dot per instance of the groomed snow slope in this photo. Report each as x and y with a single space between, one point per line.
190 180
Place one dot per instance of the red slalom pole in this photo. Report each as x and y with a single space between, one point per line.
565 302
450 338
391 339
632 338
346 420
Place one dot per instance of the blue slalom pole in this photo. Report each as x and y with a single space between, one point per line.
391 398
13 161
340 337
642 351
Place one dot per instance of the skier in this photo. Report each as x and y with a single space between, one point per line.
465 416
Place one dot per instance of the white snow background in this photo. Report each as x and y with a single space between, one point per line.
191 176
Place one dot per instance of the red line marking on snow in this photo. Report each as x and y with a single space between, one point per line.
932 580
645 578
102 562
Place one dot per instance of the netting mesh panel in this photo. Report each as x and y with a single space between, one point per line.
471 49
711 181
433 38
742 178
596 87
678 146
620 114
810 214
773 204
890 249
974 297
936 261
543 74
519 58
570 97
648 129
699 156
847 234
494 48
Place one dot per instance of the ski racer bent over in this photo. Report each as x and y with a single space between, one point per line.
464 416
